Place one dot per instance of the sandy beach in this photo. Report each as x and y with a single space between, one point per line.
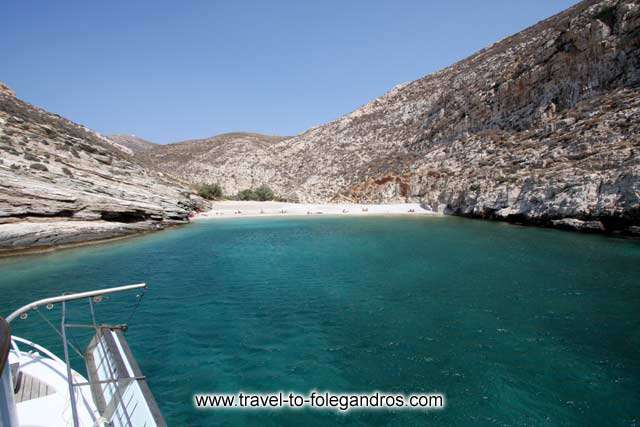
226 209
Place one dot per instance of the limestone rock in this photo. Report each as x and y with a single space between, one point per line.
576 224
53 169
38 235
541 126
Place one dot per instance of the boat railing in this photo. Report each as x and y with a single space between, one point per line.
71 297
109 385
40 349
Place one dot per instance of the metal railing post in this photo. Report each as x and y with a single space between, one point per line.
72 394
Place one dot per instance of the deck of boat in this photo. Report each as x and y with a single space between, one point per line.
29 388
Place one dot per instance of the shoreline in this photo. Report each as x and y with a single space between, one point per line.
50 249
115 232
40 237
29 237
255 209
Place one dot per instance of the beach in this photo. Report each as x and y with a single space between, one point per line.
226 209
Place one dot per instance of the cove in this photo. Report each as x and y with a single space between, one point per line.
514 325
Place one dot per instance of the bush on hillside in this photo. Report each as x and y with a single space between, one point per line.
210 191
262 193
247 194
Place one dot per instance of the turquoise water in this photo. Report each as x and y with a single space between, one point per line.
515 325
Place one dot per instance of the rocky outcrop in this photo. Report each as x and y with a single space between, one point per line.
25 236
132 142
539 128
62 183
578 225
6 90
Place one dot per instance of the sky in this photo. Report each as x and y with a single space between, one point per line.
168 71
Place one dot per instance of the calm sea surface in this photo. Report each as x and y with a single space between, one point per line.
514 325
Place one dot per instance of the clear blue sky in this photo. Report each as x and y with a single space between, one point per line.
175 70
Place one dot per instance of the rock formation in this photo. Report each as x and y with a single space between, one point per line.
541 127
62 183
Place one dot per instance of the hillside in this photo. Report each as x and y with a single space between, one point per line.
212 160
132 142
540 128
61 183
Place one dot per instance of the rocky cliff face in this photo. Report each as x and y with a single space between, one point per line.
62 183
541 127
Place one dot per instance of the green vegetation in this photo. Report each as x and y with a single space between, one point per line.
247 194
262 193
210 191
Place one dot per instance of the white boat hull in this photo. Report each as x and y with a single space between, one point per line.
51 406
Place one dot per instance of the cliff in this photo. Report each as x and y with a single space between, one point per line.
61 183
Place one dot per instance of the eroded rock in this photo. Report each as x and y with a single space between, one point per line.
84 185
541 126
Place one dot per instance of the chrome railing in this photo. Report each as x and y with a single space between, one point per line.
71 297
23 311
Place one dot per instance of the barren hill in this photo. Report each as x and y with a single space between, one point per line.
542 127
213 160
